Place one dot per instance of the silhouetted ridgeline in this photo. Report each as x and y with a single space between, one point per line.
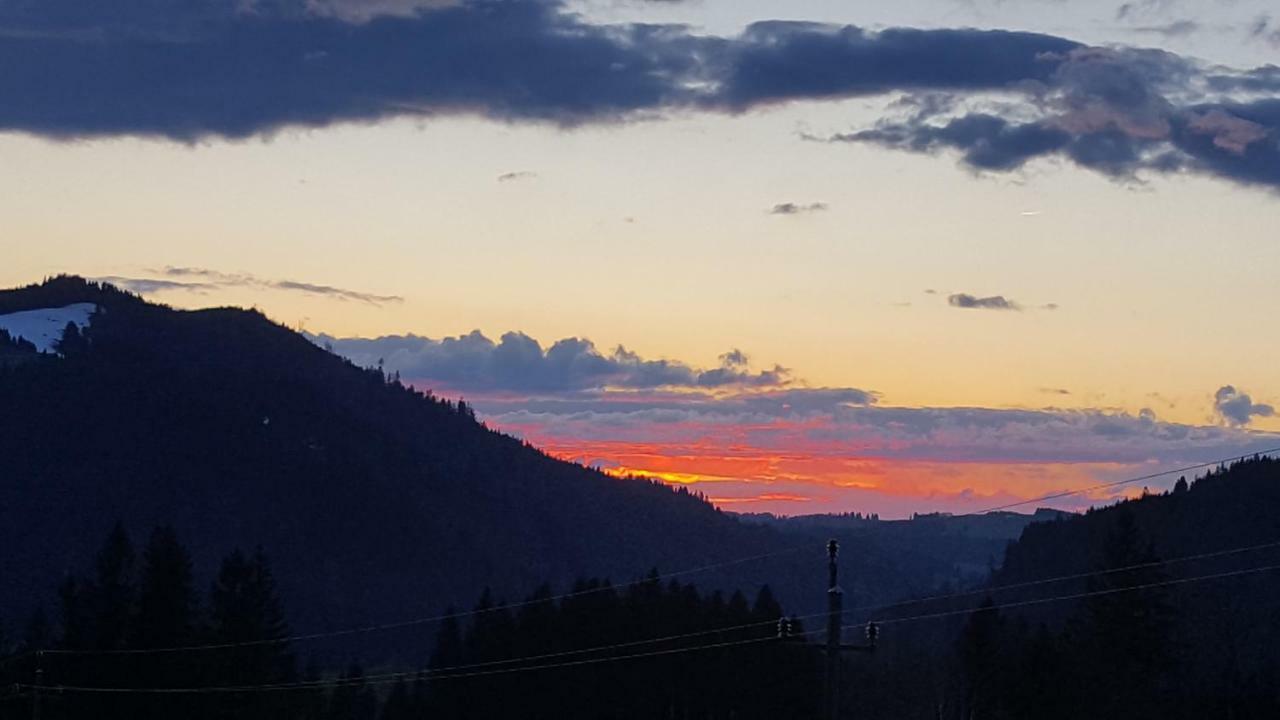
1163 607
379 502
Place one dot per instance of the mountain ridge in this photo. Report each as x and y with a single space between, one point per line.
377 502
239 431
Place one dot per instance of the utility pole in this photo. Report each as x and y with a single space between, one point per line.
35 691
835 628
835 622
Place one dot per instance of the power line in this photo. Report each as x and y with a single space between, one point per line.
491 667
1075 576
438 674
617 646
1118 483
450 674
659 578
608 588
427 620
453 669
1077 596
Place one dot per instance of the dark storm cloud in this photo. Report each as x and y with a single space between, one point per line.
1115 111
971 302
235 68
225 68
778 61
987 142
999 99
1237 408
1122 112
517 362
1261 80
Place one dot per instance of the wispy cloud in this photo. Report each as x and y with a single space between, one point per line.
1177 28
1265 29
517 175
200 280
1143 9
222 279
151 286
789 208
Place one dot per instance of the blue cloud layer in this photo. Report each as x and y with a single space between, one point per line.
517 362
572 390
998 99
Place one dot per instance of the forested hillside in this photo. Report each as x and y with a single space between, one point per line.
377 501
1161 607
135 637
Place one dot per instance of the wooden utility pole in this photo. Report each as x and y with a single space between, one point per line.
835 631
35 691
835 623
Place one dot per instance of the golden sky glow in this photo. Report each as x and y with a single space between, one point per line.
1139 298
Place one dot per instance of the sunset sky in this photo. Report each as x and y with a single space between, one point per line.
810 256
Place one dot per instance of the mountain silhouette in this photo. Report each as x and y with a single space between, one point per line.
376 502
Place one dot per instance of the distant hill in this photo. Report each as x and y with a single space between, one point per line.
934 550
374 501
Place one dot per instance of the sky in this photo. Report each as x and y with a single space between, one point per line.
813 256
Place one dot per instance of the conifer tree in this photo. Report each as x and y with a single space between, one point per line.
166 618
1128 636
246 614
166 596
112 594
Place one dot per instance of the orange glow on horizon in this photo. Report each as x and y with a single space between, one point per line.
829 481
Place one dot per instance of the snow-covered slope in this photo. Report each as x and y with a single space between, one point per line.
43 328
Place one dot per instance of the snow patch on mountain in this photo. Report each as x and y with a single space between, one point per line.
43 328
